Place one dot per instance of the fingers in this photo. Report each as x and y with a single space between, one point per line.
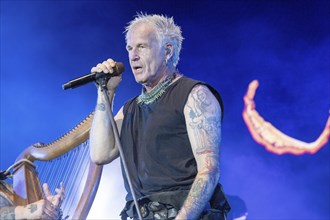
56 200
41 209
60 191
59 197
46 190
105 67
110 65
50 211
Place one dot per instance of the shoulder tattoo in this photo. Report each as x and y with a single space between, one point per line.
204 115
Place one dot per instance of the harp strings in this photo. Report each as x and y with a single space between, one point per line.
71 169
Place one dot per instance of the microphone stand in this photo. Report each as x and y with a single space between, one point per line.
103 81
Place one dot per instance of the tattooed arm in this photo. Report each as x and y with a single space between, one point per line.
102 141
41 209
203 118
48 208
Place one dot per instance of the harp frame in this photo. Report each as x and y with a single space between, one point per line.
26 185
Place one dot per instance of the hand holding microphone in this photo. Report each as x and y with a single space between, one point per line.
107 69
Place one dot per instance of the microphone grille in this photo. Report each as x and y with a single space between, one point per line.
119 68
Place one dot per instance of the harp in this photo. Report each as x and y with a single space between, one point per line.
64 160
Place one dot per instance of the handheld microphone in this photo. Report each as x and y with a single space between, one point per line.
117 70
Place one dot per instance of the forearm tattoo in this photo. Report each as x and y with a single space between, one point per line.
7 213
33 208
204 121
100 107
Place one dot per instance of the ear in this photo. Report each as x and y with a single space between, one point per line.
168 51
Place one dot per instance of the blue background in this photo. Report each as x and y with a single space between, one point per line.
283 44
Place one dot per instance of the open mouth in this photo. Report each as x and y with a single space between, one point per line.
137 68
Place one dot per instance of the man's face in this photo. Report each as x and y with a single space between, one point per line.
146 56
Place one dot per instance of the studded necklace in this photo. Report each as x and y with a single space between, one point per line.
150 97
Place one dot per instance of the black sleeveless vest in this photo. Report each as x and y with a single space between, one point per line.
156 144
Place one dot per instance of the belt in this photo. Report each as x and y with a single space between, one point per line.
153 211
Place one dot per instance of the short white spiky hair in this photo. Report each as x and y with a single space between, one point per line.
166 30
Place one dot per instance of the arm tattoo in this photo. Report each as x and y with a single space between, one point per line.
100 107
7 213
204 122
33 208
198 196
205 119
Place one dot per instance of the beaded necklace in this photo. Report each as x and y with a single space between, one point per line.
158 91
